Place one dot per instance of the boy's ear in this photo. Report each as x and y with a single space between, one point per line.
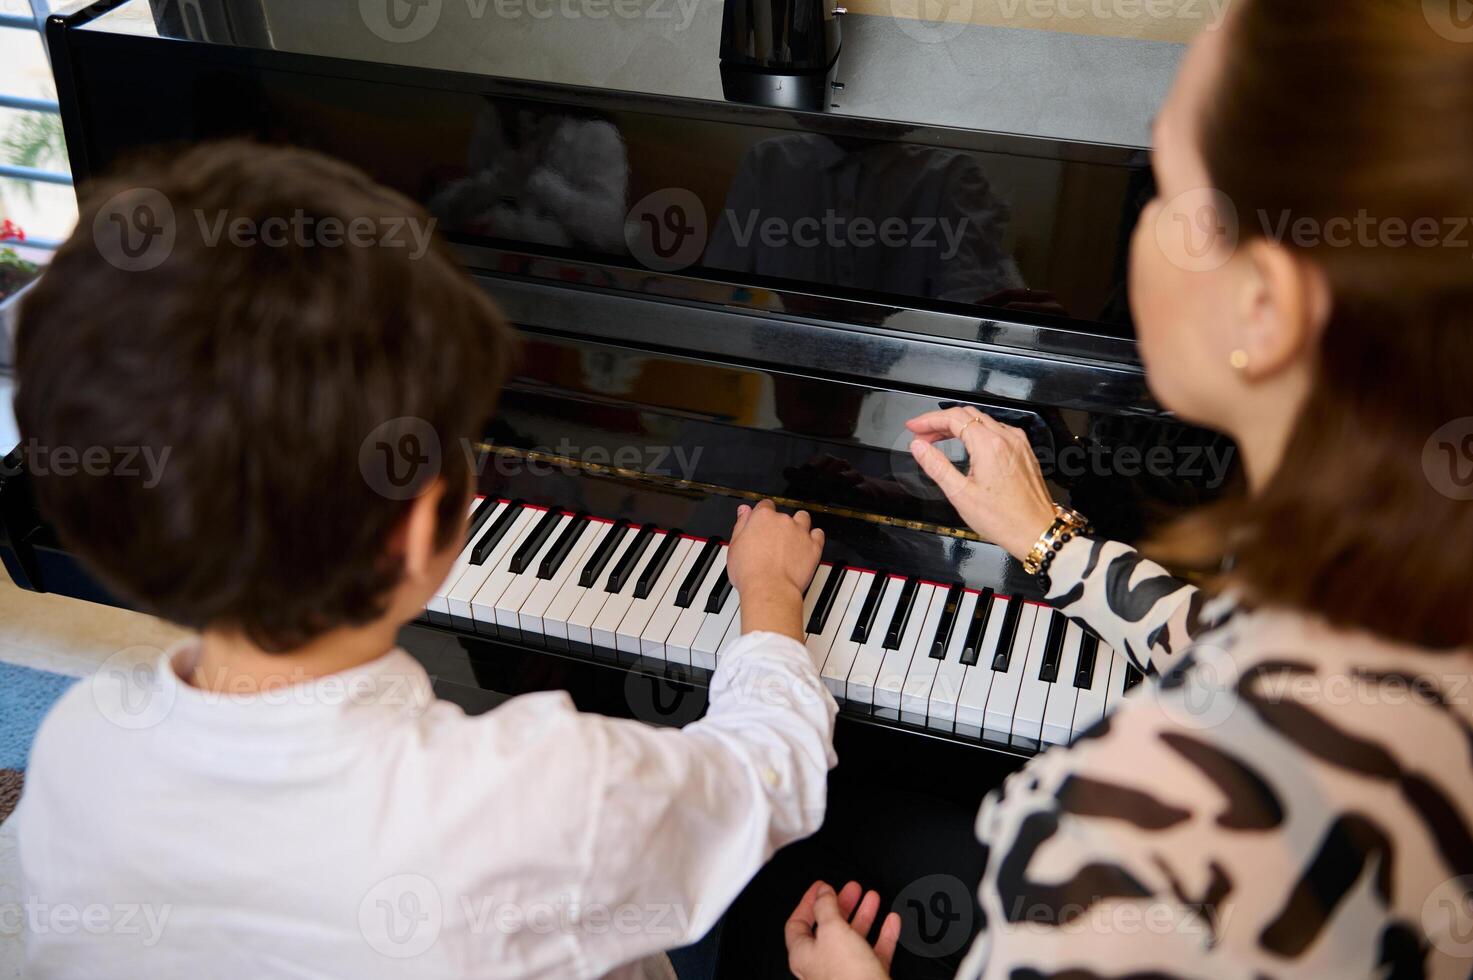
418 531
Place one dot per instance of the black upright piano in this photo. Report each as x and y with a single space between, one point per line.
738 268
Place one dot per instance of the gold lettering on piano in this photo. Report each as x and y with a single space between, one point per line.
693 488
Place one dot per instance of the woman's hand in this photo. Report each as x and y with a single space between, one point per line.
828 935
1003 498
771 560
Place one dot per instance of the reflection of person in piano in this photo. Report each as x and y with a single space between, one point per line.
834 204
287 777
553 178
1289 792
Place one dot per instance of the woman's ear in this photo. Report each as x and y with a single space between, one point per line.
418 532
1284 305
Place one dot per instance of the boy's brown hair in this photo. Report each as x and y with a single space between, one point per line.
282 339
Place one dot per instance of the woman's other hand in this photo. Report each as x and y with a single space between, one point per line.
1003 497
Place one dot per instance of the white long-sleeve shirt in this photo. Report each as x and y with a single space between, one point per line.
355 826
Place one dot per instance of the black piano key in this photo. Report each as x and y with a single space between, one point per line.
1048 671
1004 656
826 597
656 567
1084 677
562 547
1132 677
898 622
594 567
977 629
533 542
495 533
692 583
719 592
478 518
870 608
630 558
948 622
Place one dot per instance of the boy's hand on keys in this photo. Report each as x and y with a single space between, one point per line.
828 935
771 560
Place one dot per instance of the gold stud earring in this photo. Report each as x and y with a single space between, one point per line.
1239 360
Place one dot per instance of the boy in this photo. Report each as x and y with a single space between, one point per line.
283 796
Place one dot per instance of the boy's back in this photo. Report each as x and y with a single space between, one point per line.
283 796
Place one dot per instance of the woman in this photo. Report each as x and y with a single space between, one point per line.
1293 796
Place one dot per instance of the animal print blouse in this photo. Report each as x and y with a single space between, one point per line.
1277 800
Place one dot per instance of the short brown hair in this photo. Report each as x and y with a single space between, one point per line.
1325 111
254 352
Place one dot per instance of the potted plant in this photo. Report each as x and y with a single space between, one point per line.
15 275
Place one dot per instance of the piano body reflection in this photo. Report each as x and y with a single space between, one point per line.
720 302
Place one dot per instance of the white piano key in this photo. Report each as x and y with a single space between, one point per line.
530 616
1032 692
666 614
475 576
440 602
941 702
915 690
683 637
1058 717
628 636
500 577
971 706
708 640
1003 697
1116 693
605 627
591 600
859 686
510 603
896 666
841 656
1089 706
819 644
733 633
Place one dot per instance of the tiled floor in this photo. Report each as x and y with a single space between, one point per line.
68 637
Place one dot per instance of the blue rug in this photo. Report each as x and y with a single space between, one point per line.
25 697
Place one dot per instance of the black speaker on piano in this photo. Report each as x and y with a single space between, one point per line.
780 53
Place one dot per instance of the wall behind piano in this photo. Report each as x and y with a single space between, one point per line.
1089 70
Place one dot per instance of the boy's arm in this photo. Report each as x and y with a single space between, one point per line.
684 818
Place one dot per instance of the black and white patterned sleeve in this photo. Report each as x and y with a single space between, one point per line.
1135 605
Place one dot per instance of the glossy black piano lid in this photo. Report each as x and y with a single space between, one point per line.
626 173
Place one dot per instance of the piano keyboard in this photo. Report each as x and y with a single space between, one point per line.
993 667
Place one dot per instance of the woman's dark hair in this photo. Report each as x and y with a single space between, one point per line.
231 339
1359 114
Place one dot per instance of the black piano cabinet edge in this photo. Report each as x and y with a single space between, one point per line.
480 647
17 523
